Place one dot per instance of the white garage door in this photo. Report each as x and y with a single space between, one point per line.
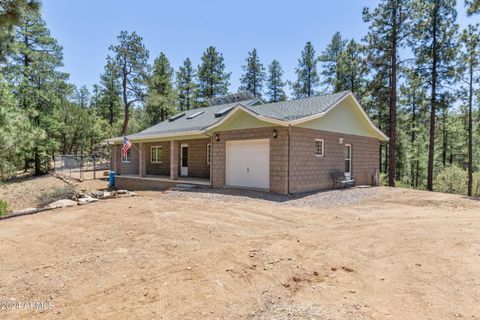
248 163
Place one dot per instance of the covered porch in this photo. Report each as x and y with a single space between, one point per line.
165 163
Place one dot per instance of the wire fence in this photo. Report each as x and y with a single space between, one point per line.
82 167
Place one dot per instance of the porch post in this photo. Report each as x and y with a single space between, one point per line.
174 154
142 160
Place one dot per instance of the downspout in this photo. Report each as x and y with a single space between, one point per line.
211 159
289 155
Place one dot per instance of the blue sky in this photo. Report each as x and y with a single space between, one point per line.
277 29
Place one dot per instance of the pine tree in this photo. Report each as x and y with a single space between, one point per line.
329 60
11 14
34 68
413 100
307 75
212 79
82 96
470 39
351 69
186 86
435 32
161 93
110 105
473 7
275 84
131 61
388 32
254 75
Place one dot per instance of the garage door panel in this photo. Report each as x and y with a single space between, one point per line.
248 163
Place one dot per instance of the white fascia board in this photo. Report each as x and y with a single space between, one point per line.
154 136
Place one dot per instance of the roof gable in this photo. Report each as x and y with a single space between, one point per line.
346 116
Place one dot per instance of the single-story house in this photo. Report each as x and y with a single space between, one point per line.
239 141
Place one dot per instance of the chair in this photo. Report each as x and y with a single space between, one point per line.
339 178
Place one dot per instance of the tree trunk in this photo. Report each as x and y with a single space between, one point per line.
127 106
431 147
470 136
444 137
392 148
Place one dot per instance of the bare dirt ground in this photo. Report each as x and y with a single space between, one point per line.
22 192
397 254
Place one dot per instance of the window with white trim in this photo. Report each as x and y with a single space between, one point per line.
156 154
319 147
209 153
126 157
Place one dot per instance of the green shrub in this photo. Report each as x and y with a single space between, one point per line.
66 192
383 179
476 184
3 207
451 180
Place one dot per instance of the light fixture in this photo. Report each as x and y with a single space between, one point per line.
217 137
340 140
274 133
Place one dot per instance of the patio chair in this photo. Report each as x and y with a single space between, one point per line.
339 178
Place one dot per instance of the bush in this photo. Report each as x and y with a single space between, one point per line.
67 192
476 184
451 180
3 207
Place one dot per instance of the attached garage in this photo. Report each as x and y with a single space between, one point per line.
248 163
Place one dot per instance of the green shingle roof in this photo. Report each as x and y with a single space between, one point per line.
296 109
286 111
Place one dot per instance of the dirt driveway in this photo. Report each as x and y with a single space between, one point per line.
399 254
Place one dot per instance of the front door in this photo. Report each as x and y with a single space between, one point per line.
348 160
184 160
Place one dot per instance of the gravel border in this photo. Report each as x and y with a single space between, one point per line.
324 199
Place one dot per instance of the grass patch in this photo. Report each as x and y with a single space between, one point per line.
3 207
66 192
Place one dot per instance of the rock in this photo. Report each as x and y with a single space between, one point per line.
104 194
121 191
86 200
27 211
62 204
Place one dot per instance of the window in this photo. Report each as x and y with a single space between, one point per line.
126 158
156 154
319 148
209 153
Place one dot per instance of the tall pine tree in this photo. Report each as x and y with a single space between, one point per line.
275 83
110 105
351 69
435 32
34 68
307 75
161 92
212 79
254 74
186 86
469 62
329 60
388 33
131 61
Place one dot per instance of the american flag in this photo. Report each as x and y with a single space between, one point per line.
126 145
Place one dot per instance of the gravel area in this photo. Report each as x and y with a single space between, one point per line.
323 199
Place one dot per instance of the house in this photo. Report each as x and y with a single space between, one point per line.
238 141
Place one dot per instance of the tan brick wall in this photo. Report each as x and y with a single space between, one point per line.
158 168
278 155
131 167
197 158
311 173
